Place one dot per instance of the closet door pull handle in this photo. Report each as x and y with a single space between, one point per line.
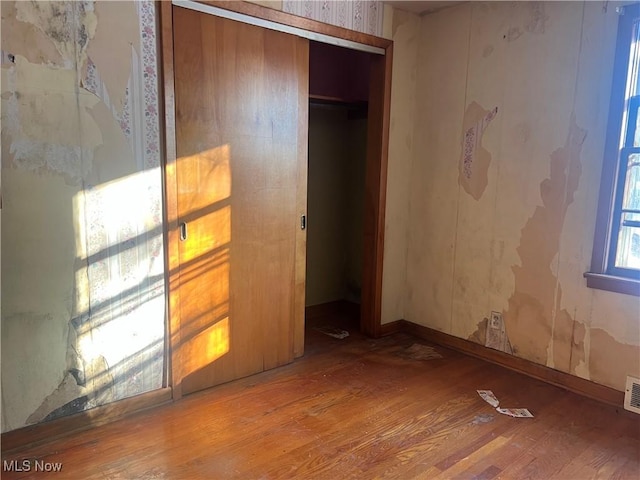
183 231
303 222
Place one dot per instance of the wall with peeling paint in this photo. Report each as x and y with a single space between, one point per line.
512 103
82 276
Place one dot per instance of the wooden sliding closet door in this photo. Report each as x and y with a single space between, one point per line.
241 130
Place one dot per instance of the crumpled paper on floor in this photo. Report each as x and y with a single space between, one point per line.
333 332
491 399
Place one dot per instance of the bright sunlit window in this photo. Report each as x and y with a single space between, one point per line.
625 248
616 256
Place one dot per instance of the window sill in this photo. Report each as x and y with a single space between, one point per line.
602 281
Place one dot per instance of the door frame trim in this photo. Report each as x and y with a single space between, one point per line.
172 231
376 176
375 191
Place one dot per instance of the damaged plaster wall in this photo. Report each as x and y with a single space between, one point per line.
515 236
82 288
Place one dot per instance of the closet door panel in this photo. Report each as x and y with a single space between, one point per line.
239 121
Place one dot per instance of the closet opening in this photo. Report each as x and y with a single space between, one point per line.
337 160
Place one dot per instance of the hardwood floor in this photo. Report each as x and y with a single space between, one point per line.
357 408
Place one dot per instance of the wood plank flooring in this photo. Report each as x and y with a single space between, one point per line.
357 408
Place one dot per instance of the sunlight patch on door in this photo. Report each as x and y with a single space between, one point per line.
207 346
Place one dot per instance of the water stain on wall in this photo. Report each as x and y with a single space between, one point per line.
25 39
537 18
473 169
69 25
568 342
480 335
532 19
531 317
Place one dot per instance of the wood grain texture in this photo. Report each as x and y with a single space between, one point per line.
239 91
301 198
359 408
549 375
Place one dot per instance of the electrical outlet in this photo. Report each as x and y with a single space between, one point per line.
496 320
7 58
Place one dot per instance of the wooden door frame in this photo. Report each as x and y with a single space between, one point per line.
375 180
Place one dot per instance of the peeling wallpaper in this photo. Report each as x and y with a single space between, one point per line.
82 276
515 235
475 160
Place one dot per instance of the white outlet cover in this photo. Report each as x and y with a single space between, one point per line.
496 320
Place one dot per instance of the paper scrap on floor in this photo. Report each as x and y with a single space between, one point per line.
515 412
491 399
333 332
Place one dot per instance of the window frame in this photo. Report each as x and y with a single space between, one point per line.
604 274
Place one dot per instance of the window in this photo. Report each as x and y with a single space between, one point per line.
615 263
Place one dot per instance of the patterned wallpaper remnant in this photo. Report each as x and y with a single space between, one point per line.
125 246
359 15
472 139
139 117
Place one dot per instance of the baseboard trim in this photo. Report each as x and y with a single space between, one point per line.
45 432
569 382
392 327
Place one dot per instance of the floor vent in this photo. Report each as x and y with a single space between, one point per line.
632 395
